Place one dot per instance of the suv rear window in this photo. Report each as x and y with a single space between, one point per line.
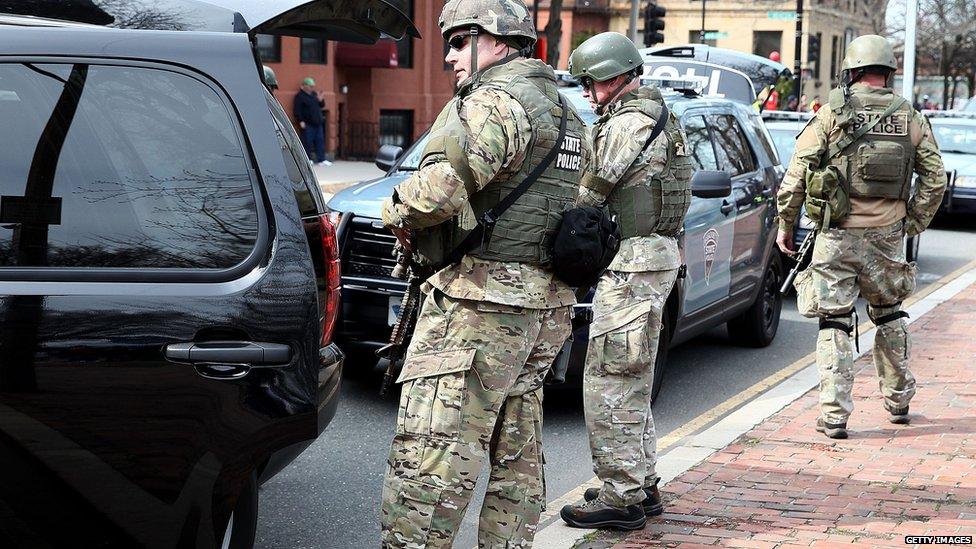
111 166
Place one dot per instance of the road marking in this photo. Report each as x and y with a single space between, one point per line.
557 531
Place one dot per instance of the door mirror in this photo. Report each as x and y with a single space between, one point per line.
387 157
711 184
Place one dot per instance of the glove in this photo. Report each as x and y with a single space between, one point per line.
913 227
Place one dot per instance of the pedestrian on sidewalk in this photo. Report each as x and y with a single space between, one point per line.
642 173
853 170
308 112
493 321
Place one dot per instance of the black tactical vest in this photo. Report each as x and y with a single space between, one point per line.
524 233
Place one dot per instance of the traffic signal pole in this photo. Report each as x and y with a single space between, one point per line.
908 82
634 14
797 69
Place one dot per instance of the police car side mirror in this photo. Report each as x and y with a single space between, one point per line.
387 157
711 184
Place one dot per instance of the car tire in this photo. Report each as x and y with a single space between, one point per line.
243 523
758 325
661 359
911 247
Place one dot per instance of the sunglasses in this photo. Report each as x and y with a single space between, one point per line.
458 41
586 82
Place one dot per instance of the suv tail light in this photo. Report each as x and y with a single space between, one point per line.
325 255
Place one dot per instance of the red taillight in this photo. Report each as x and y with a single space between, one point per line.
327 270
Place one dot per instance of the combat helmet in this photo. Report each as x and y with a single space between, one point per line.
501 18
270 80
604 56
869 50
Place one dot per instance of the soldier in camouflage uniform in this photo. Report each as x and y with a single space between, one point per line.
492 323
647 186
863 252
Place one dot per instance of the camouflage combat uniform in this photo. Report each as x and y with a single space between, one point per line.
865 253
487 334
629 302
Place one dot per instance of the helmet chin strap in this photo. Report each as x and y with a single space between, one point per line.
474 50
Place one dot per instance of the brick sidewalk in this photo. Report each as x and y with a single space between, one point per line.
785 485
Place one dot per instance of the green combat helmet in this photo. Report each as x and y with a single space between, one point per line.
869 50
270 80
506 19
604 57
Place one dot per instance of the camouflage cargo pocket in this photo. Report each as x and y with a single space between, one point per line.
625 351
410 519
898 283
807 300
435 388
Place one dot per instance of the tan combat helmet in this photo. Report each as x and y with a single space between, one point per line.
507 19
869 50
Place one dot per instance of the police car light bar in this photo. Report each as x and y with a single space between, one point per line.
787 115
696 84
949 114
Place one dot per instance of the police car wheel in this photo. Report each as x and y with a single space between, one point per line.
242 526
660 361
757 326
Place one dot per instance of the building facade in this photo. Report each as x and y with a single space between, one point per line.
762 27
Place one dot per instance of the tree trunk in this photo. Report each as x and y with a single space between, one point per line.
554 32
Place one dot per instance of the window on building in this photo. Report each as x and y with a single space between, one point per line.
834 55
766 42
269 48
315 50
396 128
177 196
404 46
814 48
731 145
694 37
700 143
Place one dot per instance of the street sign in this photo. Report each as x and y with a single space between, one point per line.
788 15
715 35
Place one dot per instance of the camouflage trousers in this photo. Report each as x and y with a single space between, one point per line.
845 263
617 380
472 391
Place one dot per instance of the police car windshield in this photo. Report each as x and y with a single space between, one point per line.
411 161
955 138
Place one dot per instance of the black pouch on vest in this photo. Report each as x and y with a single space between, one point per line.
585 245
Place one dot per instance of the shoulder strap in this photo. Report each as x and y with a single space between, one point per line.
662 121
850 137
487 222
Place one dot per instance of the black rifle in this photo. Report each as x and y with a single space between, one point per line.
806 248
396 349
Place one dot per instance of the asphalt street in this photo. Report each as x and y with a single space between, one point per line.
329 497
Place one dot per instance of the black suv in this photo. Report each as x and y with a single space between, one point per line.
169 277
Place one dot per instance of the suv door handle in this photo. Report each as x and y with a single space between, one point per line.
727 207
242 353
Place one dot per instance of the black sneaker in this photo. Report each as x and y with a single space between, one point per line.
832 430
595 514
898 416
652 503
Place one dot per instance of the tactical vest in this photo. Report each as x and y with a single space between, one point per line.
658 203
879 164
524 233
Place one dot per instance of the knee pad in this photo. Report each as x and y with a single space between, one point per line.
883 314
840 322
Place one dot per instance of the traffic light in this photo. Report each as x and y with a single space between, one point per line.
813 48
653 24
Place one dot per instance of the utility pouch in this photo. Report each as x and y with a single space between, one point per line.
827 201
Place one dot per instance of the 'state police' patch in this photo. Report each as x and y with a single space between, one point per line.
570 155
896 124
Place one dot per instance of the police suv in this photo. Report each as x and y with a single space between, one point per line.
731 271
